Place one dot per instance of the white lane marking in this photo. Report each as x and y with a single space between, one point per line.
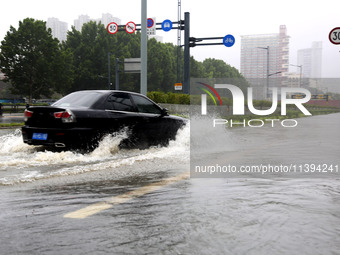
98 207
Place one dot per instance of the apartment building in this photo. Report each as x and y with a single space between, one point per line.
265 60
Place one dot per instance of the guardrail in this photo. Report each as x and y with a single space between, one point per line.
13 108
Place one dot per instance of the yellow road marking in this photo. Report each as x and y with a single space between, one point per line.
98 207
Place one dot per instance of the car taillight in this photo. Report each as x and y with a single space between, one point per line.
58 115
66 116
28 114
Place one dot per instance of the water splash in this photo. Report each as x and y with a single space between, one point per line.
22 163
12 143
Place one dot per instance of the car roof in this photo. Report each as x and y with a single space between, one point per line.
107 92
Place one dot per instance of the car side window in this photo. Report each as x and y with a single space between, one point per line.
119 102
144 105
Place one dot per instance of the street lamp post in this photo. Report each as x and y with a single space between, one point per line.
144 50
109 70
267 79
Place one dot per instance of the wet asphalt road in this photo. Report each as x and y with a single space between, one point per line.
12 118
143 202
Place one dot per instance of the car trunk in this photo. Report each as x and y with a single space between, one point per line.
43 117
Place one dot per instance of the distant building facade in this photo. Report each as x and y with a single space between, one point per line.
59 28
82 19
311 60
265 56
106 19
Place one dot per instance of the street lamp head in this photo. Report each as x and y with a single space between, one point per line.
264 48
274 73
300 66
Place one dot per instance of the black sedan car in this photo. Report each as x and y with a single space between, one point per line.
81 119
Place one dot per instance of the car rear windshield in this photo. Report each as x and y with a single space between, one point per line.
78 100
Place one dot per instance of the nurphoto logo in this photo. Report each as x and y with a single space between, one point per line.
239 104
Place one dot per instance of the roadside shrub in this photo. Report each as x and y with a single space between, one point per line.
169 98
156 96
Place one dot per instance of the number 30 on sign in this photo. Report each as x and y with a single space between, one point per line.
112 28
334 35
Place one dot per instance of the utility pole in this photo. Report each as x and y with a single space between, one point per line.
144 50
179 41
267 89
267 79
186 53
117 74
109 70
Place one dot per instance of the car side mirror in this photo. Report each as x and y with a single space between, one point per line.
164 112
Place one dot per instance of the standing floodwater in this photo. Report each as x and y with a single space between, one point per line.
310 149
244 215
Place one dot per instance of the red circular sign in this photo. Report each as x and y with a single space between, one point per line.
334 35
112 28
130 27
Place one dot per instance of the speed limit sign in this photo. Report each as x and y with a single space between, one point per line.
112 28
334 35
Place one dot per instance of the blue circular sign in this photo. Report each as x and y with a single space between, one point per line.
167 25
228 40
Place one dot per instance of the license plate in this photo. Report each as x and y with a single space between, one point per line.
39 136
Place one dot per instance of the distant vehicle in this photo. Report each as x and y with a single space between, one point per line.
80 120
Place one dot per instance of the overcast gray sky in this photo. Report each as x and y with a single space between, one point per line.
306 21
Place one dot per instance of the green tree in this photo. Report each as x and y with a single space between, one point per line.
88 57
218 69
91 47
34 63
197 69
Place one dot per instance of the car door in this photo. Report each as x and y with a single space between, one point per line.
153 124
121 112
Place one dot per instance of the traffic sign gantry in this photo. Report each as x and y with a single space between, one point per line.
130 27
334 35
112 28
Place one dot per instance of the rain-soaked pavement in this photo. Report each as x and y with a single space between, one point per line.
115 201
12 118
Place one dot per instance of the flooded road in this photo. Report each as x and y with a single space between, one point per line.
12 118
115 201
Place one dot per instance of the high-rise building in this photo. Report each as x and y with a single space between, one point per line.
107 18
59 28
311 60
265 60
82 19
